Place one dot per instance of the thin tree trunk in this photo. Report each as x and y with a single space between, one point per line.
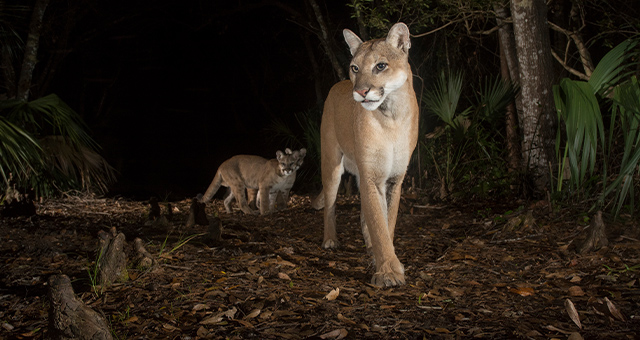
511 120
362 28
9 83
314 66
31 50
325 41
535 68
510 73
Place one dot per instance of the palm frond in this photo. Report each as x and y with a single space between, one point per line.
19 151
626 106
443 98
578 107
494 97
45 145
611 69
80 164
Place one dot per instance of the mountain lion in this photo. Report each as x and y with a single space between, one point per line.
279 194
370 129
254 172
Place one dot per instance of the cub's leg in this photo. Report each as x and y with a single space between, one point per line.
264 201
283 203
239 193
389 270
228 201
252 197
273 198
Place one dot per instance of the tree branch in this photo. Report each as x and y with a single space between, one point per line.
441 27
569 68
585 56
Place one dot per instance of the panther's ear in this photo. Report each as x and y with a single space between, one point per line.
303 152
399 37
279 154
287 151
352 40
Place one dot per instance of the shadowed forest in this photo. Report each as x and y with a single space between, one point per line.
517 216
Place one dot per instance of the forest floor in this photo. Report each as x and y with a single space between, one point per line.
471 273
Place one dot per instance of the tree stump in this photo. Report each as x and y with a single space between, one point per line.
596 235
70 318
154 208
197 214
215 230
143 258
112 260
169 213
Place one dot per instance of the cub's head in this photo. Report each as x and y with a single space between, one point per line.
379 66
290 161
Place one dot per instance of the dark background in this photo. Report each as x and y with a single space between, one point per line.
171 89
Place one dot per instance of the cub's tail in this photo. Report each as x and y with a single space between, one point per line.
318 202
213 187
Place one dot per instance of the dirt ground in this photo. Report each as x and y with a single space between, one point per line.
478 270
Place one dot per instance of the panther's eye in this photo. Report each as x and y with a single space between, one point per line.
381 66
354 69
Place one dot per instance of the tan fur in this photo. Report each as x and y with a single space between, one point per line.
279 194
370 128
254 172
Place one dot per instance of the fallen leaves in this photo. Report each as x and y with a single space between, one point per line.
573 313
522 291
284 276
219 317
336 334
333 294
464 276
576 291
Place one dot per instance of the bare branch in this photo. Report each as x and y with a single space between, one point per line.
441 27
569 68
585 56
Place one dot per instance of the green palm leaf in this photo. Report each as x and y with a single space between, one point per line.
45 145
18 151
611 69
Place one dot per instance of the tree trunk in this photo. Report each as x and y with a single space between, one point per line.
317 77
9 74
536 79
362 28
509 71
325 41
31 50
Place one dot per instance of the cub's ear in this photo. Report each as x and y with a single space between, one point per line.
303 152
399 37
287 151
279 154
352 40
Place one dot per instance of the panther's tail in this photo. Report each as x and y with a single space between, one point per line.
213 187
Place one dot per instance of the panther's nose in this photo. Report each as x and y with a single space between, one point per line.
362 92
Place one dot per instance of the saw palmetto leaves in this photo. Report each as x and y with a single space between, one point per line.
578 104
44 145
